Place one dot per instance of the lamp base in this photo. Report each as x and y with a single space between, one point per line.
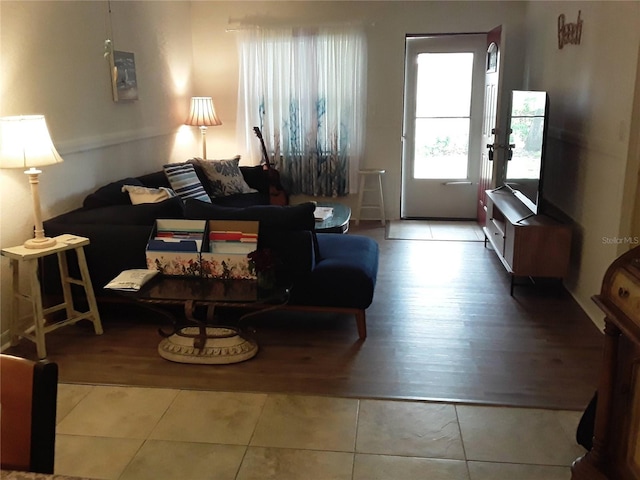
45 242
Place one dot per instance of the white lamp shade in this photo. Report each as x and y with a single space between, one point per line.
25 143
203 113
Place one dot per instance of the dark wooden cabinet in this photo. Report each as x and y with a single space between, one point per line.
616 443
528 245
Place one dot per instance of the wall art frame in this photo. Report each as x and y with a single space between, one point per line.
124 82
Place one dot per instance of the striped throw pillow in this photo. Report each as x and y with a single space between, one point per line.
185 182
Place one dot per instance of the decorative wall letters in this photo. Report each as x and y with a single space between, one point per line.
569 32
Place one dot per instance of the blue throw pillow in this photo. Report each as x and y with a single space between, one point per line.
185 182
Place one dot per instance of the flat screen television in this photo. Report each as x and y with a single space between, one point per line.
525 163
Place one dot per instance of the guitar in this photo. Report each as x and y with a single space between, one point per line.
277 193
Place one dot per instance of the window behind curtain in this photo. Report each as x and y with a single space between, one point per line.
305 89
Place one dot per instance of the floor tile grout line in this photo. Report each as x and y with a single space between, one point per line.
464 448
354 452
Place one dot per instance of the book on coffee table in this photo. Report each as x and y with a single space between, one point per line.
131 280
322 213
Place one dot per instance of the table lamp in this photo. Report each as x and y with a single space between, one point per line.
25 143
203 115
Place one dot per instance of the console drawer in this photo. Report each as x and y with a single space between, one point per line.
625 294
495 233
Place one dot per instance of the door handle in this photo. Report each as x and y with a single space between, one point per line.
490 147
509 148
462 182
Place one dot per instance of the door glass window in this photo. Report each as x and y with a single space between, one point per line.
442 118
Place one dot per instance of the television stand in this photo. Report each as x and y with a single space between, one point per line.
528 245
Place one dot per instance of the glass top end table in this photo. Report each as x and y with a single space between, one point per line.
338 222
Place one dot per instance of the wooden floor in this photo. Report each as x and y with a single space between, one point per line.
442 326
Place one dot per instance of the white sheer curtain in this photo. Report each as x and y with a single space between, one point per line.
306 90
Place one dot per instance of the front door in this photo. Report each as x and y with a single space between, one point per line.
444 80
492 88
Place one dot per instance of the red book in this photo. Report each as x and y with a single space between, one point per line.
225 236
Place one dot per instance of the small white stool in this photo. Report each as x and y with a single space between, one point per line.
37 327
363 175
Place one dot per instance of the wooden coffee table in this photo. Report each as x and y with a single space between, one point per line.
338 222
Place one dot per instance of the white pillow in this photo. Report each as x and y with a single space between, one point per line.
139 195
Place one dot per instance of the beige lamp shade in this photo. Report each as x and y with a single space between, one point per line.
25 143
203 113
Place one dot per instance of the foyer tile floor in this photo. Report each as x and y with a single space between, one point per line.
467 231
107 432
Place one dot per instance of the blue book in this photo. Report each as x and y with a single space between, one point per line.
157 245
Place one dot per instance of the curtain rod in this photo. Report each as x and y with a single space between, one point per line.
244 25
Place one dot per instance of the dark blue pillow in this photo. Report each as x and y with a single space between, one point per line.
155 180
256 177
111 194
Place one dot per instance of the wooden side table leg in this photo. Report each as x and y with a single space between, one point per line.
382 216
88 289
14 319
360 198
66 286
38 311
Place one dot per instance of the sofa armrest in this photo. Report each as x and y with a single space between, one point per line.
118 236
344 274
294 252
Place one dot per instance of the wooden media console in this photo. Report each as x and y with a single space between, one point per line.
528 245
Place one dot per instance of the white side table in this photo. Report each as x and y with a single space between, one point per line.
36 329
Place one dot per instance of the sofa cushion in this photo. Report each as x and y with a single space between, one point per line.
143 214
224 176
277 217
242 200
185 182
139 195
110 194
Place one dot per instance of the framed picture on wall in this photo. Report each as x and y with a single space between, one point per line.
123 77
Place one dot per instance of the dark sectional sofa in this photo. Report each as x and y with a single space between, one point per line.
331 272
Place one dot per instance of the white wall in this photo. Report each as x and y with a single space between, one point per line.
51 63
386 24
591 88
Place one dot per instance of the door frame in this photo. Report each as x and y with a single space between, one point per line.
468 186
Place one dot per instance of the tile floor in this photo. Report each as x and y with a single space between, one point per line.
107 432
435 230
